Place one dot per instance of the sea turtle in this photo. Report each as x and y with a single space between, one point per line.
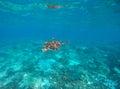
53 6
52 45
56 6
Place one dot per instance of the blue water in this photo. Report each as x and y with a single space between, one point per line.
89 61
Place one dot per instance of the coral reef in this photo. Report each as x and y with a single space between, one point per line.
25 66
